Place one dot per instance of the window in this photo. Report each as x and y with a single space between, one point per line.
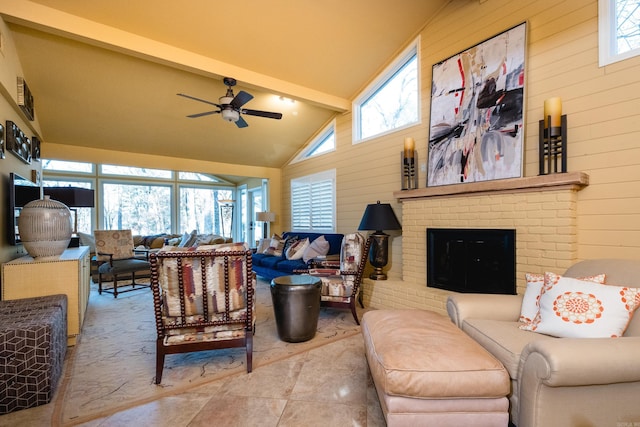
64 166
193 176
392 102
147 201
145 209
619 30
82 216
313 202
131 171
200 210
323 143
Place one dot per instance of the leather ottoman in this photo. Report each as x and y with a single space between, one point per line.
428 372
33 344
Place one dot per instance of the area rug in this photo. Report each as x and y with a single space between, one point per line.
112 367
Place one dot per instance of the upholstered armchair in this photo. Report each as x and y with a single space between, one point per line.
115 256
340 287
561 381
203 300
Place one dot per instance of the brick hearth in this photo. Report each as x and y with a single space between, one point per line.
542 210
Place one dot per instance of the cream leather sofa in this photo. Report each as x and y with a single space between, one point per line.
560 381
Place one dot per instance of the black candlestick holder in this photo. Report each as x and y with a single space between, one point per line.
408 169
553 147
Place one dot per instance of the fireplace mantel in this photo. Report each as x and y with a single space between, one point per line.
570 180
542 209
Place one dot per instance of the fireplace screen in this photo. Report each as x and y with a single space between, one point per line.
471 260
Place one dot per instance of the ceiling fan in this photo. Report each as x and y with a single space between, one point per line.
230 106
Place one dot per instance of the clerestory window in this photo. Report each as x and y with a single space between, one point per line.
618 29
392 102
324 142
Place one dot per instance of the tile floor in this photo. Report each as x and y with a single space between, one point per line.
326 386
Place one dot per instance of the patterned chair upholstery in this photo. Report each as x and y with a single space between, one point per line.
203 299
340 288
114 252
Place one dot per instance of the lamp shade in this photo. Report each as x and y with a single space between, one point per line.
73 197
265 216
379 216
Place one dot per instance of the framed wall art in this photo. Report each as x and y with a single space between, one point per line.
477 102
1 141
35 148
17 142
25 99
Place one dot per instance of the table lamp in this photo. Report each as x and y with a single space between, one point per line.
378 217
265 217
73 197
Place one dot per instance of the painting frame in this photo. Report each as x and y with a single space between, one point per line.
476 126
1 141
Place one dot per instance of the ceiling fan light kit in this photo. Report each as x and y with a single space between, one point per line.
230 107
230 115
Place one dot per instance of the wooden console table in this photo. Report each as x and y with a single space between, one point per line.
67 274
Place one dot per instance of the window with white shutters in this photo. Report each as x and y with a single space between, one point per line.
313 202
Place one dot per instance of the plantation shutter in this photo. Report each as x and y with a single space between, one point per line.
313 202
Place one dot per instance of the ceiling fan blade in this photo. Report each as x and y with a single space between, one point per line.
241 123
198 99
267 114
206 113
241 98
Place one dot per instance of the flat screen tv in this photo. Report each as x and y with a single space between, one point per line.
472 260
20 192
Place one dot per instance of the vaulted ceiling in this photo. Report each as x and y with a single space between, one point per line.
106 74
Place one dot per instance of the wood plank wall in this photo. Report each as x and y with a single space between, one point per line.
602 106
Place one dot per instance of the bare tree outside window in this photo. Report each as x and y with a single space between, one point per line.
627 25
145 209
200 210
394 104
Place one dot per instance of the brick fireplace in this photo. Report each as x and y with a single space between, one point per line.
541 209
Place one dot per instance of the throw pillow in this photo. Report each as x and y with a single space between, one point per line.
296 250
174 241
275 247
531 298
157 242
203 239
288 242
263 244
573 308
188 239
318 247
87 240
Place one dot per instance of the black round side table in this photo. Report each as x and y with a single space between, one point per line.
296 305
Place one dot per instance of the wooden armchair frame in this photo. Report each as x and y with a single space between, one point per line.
207 319
115 257
357 284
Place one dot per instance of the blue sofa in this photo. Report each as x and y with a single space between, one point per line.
270 266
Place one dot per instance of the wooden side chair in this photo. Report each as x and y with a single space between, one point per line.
203 300
341 287
115 256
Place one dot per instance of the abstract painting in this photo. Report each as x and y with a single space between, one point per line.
477 102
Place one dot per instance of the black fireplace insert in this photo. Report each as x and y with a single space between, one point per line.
472 260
